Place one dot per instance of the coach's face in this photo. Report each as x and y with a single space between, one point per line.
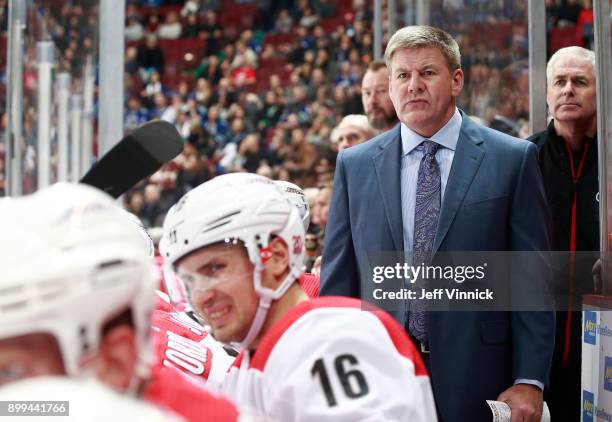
571 94
423 89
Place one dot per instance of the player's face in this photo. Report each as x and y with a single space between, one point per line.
571 90
221 290
423 89
375 99
29 355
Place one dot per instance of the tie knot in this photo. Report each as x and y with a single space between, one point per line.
430 147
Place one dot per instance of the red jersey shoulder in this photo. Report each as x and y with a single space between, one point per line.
310 284
177 345
174 391
162 302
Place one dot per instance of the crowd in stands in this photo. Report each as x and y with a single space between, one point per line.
260 94
259 86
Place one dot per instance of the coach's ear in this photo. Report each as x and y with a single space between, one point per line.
278 264
117 357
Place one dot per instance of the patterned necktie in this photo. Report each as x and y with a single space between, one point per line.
426 214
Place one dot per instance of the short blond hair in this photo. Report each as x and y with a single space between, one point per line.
423 36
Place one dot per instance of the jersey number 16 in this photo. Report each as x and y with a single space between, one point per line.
358 388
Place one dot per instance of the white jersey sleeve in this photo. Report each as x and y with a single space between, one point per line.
342 364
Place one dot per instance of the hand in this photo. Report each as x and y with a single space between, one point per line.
597 279
316 267
526 402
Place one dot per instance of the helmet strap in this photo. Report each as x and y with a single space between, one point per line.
265 300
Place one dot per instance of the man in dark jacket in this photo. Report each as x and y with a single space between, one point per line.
568 160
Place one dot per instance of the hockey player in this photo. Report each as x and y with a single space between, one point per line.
76 293
238 245
180 343
295 195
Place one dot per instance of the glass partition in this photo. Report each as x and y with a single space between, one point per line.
55 38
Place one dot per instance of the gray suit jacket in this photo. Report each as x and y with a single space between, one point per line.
494 201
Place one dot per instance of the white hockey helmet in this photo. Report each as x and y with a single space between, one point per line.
237 206
72 261
296 196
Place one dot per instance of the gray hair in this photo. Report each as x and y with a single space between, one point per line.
414 37
573 51
360 121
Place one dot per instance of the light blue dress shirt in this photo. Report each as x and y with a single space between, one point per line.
411 160
447 138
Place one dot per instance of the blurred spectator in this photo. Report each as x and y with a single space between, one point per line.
309 19
324 8
191 8
244 57
237 131
159 105
210 69
311 196
191 29
585 25
551 14
567 13
131 62
213 5
203 92
272 110
322 208
150 210
300 159
211 32
133 30
504 120
171 28
150 56
284 23
152 23
135 204
135 116
353 103
354 129
345 78
153 86
215 126
194 171
3 16
265 170
251 153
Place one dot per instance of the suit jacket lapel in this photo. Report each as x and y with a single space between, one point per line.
387 169
466 162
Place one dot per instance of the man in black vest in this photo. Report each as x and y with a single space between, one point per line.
568 160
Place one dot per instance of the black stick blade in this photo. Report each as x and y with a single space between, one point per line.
135 157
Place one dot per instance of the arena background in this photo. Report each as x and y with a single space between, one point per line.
259 85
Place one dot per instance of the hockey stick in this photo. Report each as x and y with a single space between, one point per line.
138 155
